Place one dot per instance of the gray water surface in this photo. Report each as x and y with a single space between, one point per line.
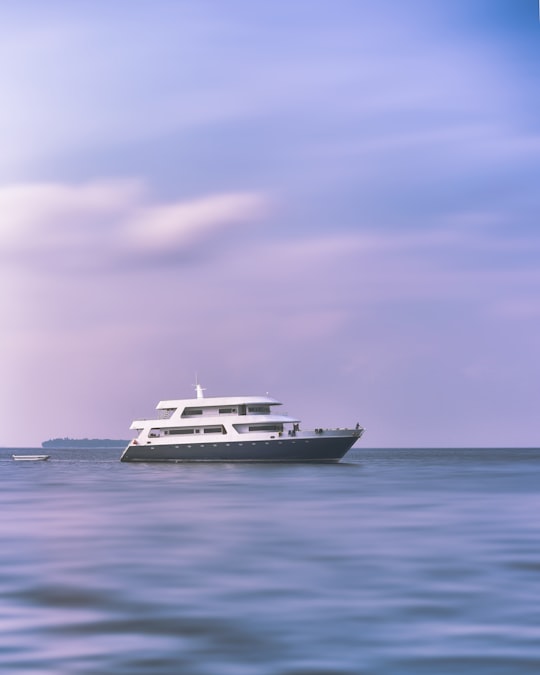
395 561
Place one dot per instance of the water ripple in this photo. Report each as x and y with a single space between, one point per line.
398 561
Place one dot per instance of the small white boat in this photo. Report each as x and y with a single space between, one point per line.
30 458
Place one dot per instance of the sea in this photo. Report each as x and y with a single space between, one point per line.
395 561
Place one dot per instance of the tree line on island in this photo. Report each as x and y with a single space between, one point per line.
73 443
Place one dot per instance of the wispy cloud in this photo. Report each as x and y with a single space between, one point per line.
165 228
102 221
45 216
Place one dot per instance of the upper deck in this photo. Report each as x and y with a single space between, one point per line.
184 411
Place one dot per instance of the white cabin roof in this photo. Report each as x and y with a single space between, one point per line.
216 401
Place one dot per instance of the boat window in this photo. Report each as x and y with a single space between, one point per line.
190 412
266 427
218 429
227 411
177 432
166 413
154 433
259 409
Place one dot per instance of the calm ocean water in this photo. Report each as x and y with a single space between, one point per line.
395 561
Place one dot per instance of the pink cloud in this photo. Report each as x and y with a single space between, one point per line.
111 220
179 225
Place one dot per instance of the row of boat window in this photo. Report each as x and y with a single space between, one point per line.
166 413
204 430
215 429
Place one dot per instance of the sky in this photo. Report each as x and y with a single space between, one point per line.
335 202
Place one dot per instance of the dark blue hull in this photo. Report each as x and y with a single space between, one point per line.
318 449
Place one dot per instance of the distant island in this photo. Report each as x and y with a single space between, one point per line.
85 443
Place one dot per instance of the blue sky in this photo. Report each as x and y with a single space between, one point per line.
333 202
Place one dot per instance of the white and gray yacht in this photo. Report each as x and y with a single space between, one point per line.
232 429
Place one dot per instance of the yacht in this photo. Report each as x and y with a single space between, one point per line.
232 429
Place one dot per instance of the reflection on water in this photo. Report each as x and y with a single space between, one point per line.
397 561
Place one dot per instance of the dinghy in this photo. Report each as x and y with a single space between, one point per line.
30 458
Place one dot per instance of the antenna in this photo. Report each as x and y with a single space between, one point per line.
198 388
